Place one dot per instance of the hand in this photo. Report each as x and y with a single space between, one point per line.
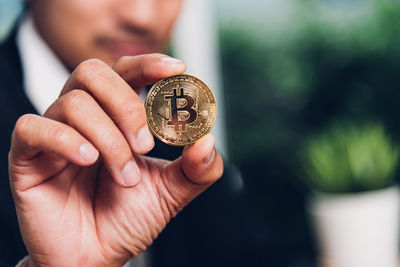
84 194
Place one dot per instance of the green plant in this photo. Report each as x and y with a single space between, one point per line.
349 158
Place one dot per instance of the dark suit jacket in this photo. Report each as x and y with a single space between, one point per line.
214 230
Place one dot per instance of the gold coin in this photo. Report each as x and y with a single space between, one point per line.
180 109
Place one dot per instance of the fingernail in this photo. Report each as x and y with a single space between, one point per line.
209 158
209 140
130 174
88 153
170 60
144 140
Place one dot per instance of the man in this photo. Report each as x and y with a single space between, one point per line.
84 193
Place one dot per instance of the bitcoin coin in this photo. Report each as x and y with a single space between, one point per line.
180 109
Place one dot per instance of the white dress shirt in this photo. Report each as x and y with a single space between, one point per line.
44 75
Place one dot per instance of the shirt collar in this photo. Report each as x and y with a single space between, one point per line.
44 74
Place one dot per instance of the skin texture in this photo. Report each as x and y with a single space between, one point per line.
84 193
74 206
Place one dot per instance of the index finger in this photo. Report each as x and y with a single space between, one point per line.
112 89
152 68
136 71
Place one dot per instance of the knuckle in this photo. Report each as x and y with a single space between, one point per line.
87 68
157 55
124 59
126 65
121 62
117 145
90 64
23 124
134 110
74 99
57 134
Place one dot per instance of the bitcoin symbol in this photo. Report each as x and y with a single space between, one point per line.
180 110
176 110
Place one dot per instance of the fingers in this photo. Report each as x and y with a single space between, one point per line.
199 167
143 70
34 134
112 90
201 163
109 113
117 99
79 110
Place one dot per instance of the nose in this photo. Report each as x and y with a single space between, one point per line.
138 14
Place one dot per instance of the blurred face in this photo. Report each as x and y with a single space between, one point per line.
105 29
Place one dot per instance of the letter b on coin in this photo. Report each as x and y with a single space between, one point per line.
180 109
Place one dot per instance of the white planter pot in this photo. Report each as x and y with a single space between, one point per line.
357 230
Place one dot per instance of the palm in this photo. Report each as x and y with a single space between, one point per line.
94 217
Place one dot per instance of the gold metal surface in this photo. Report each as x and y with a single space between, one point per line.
180 110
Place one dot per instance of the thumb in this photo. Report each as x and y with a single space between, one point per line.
199 167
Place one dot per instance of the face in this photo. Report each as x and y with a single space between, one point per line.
105 29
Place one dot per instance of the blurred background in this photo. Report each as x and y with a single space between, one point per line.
287 70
